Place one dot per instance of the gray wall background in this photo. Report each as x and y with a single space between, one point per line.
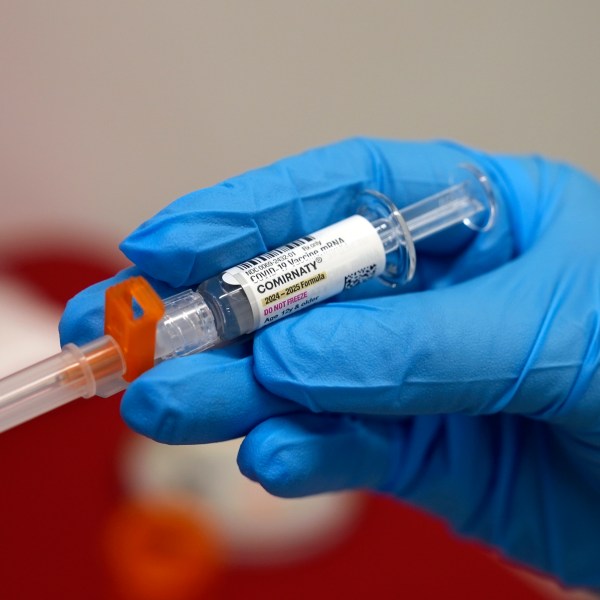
108 110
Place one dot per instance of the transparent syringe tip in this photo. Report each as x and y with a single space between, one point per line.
470 201
75 372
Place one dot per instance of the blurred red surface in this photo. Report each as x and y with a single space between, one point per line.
60 485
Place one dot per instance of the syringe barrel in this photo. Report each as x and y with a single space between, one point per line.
378 241
294 276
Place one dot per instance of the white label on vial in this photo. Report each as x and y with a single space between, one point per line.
310 269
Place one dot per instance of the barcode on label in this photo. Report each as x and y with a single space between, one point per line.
271 254
359 276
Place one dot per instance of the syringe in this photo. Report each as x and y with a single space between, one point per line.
377 241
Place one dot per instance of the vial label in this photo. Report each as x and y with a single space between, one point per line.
310 269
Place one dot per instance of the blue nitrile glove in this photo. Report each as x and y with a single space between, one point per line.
474 393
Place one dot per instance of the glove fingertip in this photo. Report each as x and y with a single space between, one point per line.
294 456
147 411
82 319
169 264
263 458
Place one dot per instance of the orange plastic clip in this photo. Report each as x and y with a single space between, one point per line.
135 334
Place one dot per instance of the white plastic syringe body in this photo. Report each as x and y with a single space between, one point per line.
378 241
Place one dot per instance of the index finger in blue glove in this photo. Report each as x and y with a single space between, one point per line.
209 230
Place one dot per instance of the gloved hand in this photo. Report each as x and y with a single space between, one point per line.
474 392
